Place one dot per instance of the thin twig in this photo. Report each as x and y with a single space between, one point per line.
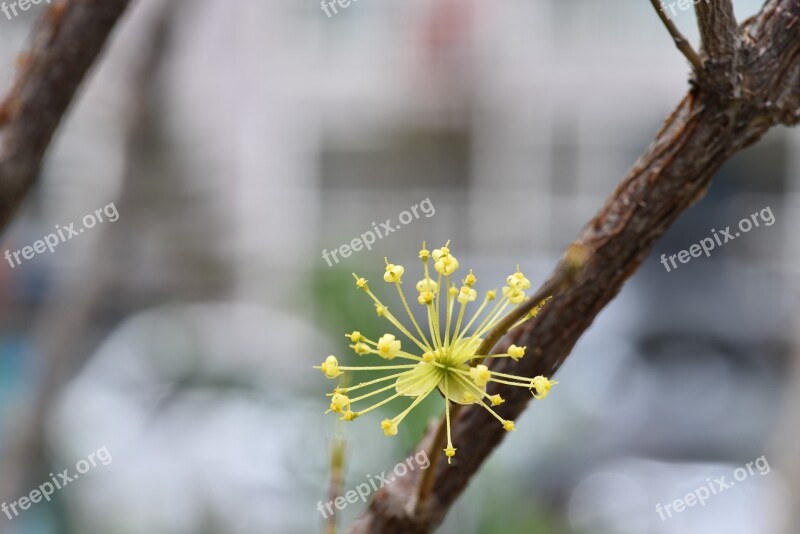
680 41
336 484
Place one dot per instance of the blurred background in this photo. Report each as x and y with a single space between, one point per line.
239 140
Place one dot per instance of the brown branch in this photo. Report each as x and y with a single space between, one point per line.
59 332
680 41
719 32
704 131
66 41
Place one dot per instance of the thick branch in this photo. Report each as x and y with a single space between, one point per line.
718 29
719 34
66 41
705 130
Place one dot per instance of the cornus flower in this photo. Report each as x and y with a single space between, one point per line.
444 356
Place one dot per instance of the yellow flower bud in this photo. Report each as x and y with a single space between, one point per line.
393 272
330 367
355 337
480 374
467 294
496 400
425 297
470 279
516 352
389 427
542 386
388 346
339 403
446 265
426 284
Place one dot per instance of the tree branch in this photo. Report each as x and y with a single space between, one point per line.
680 41
67 39
704 131
719 32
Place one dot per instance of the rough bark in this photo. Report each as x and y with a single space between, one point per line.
67 39
714 120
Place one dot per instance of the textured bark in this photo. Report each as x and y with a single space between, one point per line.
715 120
67 39
718 30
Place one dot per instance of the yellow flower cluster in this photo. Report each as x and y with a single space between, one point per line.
447 351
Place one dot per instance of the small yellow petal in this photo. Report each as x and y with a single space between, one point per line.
330 367
340 403
388 346
470 279
425 297
389 427
542 386
393 272
467 294
480 374
361 348
424 253
516 352
360 282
